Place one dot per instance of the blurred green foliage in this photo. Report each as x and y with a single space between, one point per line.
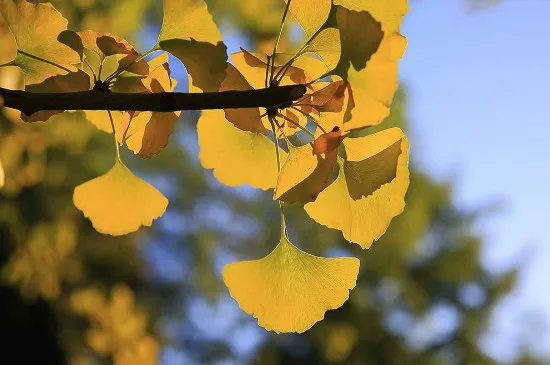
422 297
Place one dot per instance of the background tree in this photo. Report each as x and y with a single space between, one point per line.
425 271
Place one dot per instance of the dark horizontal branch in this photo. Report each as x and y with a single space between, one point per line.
30 103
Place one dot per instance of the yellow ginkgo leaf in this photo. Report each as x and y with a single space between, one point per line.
310 16
119 202
360 34
304 175
388 12
36 28
148 134
327 46
343 206
238 157
373 88
189 33
290 290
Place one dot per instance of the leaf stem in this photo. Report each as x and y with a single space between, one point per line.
114 134
277 41
314 120
276 142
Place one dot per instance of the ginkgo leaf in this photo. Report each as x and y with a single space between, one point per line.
238 157
189 33
36 28
327 46
290 290
148 134
389 12
367 218
119 202
360 34
71 82
373 88
105 45
310 16
304 175
252 66
327 142
246 119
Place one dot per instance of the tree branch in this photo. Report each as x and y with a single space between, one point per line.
30 103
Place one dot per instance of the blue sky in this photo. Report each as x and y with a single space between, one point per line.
477 84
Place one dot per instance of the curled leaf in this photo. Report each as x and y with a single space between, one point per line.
36 28
148 134
328 142
119 202
290 290
361 218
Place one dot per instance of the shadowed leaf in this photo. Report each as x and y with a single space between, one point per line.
365 219
304 175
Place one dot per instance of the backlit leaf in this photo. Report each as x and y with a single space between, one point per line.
304 175
389 12
290 290
148 134
119 202
311 16
36 28
360 34
238 157
373 88
328 142
105 45
327 46
365 219
189 33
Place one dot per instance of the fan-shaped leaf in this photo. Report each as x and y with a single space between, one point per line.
119 202
367 218
290 290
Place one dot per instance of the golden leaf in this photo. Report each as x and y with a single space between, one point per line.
119 202
343 206
304 175
290 290
238 157
189 33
